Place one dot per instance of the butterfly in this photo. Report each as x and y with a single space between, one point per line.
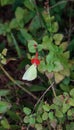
31 73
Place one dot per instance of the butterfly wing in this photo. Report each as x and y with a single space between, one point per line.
30 74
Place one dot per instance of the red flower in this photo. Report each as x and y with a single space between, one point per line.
35 60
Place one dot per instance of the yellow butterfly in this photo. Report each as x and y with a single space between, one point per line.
31 73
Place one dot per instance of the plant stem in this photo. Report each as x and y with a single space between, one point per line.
16 45
16 83
44 94
39 13
59 3
53 89
54 93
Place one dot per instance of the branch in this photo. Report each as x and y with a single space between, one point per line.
44 94
16 83
61 2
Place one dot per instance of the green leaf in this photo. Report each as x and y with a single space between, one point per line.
57 101
26 119
69 113
2 46
3 61
40 47
4 28
29 4
51 116
46 42
55 27
28 16
38 126
5 124
50 57
59 114
66 54
15 127
57 66
58 77
70 126
64 45
72 93
65 107
13 24
4 51
63 5
71 45
27 111
71 102
37 88
39 108
50 67
54 107
66 81
65 72
10 40
16 45
45 116
4 92
65 88
39 119
42 67
19 13
35 25
1 128
14 116
58 38
31 120
4 106
25 34
31 46
46 107
5 2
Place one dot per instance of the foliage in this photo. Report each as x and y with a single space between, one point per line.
35 30
55 114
